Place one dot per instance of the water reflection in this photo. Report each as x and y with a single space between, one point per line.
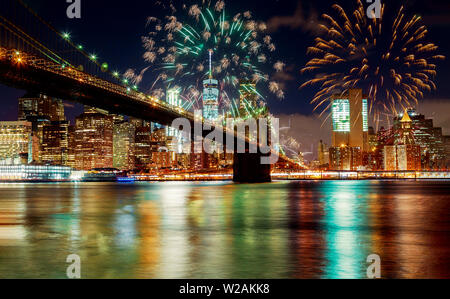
222 230
346 226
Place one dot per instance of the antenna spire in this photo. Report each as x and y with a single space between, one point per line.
210 64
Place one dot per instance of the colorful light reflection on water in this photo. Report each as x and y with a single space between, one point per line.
222 230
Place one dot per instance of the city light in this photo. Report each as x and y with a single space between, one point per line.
198 157
341 115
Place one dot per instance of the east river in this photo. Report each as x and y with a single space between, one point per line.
223 230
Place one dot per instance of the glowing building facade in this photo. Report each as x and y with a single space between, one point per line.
34 173
55 143
38 106
94 141
16 142
123 145
405 154
345 158
173 98
143 147
41 111
350 120
341 118
427 136
175 136
211 99
323 154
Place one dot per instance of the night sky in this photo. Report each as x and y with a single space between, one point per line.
113 30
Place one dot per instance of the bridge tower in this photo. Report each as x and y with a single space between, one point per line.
247 168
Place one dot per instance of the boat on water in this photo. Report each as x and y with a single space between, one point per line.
106 175
101 175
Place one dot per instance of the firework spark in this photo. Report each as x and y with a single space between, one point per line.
389 58
177 48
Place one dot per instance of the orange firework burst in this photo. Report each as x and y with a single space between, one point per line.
389 58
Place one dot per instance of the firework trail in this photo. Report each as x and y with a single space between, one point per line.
177 49
389 58
289 146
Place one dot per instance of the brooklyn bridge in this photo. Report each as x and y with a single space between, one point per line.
35 57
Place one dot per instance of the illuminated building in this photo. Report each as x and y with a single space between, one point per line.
34 173
137 123
390 158
374 158
323 154
428 137
405 154
402 157
123 145
164 159
184 161
55 143
345 158
196 159
210 108
350 120
447 151
94 141
173 98
41 111
210 95
40 105
226 160
71 147
175 139
373 139
143 146
16 142
211 99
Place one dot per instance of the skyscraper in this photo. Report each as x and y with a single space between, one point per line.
175 136
350 120
345 158
428 137
71 147
41 110
35 106
16 142
210 99
94 141
124 145
55 143
173 98
143 147
447 151
210 95
323 154
404 155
